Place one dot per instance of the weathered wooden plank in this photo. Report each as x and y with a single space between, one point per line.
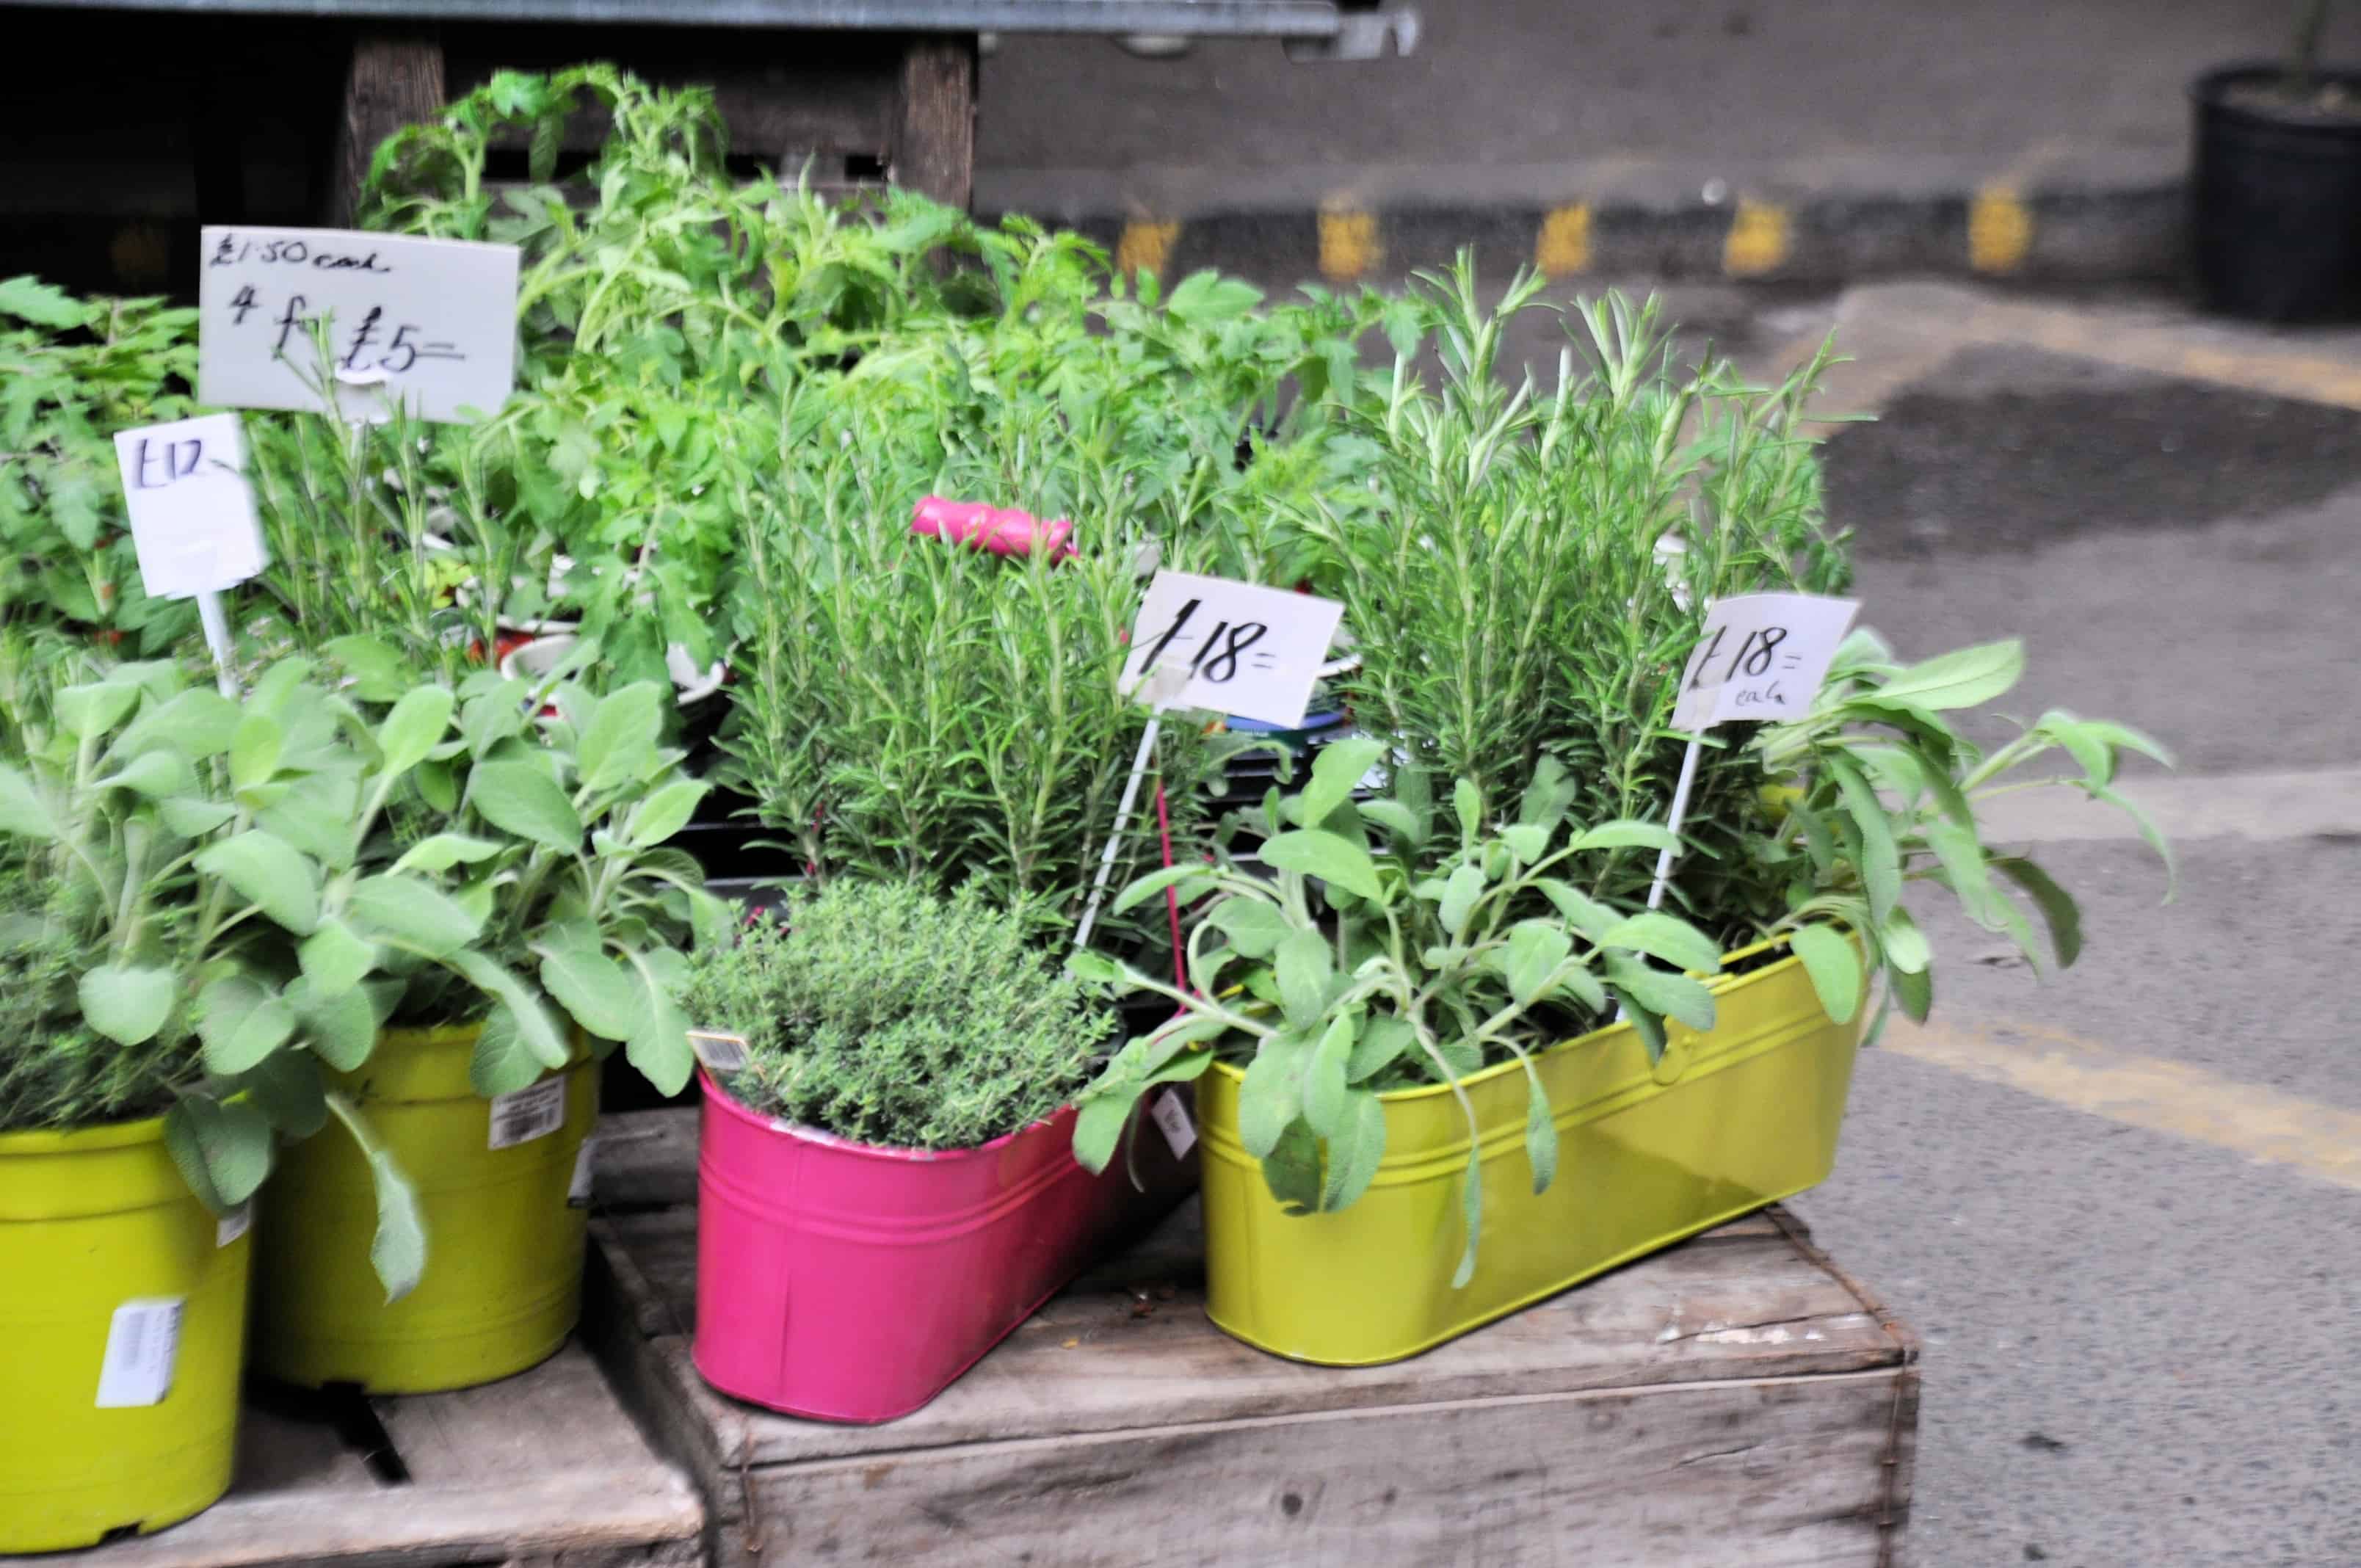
1775 1474
560 1418
934 143
646 1159
395 80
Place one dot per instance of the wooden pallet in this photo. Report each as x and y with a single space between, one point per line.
534 1471
1737 1401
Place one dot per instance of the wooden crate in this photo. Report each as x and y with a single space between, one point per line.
535 1471
1736 1402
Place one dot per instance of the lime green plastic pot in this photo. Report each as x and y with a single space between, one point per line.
1726 1121
503 1281
90 1221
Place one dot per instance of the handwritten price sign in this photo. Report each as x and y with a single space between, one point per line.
430 324
193 519
1244 650
1762 657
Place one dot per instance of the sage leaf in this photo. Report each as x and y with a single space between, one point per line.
1356 1149
440 851
269 873
2059 911
1191 880
1541 1130
665 812
522 798
286 1086
333 958
1535 949
603 996
241 1024
400 911
221 1147
412 728
22 812
1254 928
1913 992
1336 769
1303 966
254 748
127 1003
618 743
1471 1212
1674 995
1904 945
1382 1042
1397 820
1526 841
1590 919
1834 968
1271 1098
1626 836
1099 1122
1292 1170
1459 896
340 1026
1324 1076
1468 804
1314 852
1665 937
1881 864
89 710
1964 678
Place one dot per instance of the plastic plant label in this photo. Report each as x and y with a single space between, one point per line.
528 1114
192 517
427 324
233 1224
1246 650
720 1053
586 1173
143 1342
1171 1118
1762 656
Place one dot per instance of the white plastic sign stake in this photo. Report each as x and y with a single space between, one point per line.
528 1114
429 323
192 517
1171 1118
718 1051
1161 687
585 1175
143 1342
1246 650
1761 656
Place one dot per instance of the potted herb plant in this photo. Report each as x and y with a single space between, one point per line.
885 1185
2274 183
549 834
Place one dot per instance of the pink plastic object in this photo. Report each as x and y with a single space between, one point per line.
851 1283
1002 531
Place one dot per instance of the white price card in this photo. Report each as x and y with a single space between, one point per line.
430 324
143 1342
192 517
1246 649
719 1051
528 1114
1170 1113
1762 657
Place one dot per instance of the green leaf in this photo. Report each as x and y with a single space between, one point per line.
22 812
1834 968
1527 842
340 1028
1626 836
28 299
1960 679
437 785
1271 1097
1100 1118
400 911
2059 911
1292 1170
1961 854
1145 888
194 818
1324 1076
286 1086
1095 968
398 1250
665 812
502 1063
601 994
618 743
223 1148
1397 820
530 1022
2148 832
1356 1149
1254 928
334 959
1543 804
1535 949
1667 936
1336 768
1459 896
1333 860
1645 1023
1469 806
1303 966
1903 944
522 800
378 673
1471 1212
414 728
270 873
1881 864
1205 297
241 1023
1591 918
90 710
1913 993
155 774
1384 1039
254 748
1674 995
1540 1131
440 851
657 1043
127 1003
198 723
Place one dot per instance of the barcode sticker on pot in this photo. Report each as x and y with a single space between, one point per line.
142 1344
718 1051
1171 1118
233 1224
586 1174
1761 656
1246 650
529 1113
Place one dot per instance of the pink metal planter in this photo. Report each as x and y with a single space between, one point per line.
851 1283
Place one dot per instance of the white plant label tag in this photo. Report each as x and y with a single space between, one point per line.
585 1175
1762 656
192 517
143 1342
233 1224
1171 1118
1246 650
720 1052
528 1114
428 323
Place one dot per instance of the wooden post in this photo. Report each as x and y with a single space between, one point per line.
396 79
934 142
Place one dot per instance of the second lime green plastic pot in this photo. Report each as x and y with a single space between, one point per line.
1724 1123
503 1281
100 1239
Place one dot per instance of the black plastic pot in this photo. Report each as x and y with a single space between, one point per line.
2275 203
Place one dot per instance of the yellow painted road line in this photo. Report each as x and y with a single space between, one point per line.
1145 246
2197 353
1562 247
1349 247
1757 244
2000 229
2160 1096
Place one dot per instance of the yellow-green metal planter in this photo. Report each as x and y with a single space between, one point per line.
503 1282
121 1322
1726 1121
